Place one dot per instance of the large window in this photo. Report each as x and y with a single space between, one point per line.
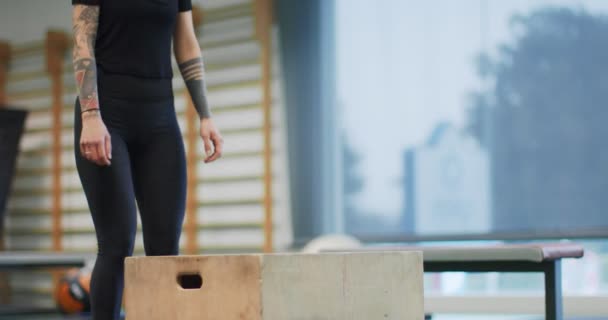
477 119
473 117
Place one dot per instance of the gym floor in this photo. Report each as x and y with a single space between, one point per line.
53 316
437 317
45 317
42 315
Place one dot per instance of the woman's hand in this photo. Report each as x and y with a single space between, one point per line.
95 141
211 135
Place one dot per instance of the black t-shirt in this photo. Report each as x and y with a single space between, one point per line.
134 36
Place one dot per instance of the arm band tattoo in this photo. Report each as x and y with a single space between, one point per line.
193 74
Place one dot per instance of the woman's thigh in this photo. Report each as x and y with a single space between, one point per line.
159 176
110 195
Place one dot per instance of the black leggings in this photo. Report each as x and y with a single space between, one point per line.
148 165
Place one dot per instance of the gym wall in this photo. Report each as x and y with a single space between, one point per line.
227 210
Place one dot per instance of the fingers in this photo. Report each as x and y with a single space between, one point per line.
89 151
109 147
83 150
102 158
208 147
98 152
218 143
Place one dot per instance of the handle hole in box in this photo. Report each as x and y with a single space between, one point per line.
190 281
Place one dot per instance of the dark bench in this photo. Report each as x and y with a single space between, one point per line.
34 260
545 258
19 261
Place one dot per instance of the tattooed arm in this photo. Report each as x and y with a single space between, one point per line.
192 71
190 61
95 144
85 20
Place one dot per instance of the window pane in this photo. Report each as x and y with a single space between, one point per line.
477 117
474 116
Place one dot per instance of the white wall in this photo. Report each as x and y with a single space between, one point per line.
28 20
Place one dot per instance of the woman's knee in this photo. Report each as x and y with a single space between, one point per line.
118 247
162 247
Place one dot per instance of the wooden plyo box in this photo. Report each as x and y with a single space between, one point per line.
328 286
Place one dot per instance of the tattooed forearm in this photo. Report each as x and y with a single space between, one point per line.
193 73
86 82
85 69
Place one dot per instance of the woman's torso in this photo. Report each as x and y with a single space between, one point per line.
133 48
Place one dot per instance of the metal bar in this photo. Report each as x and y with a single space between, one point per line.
369 238
553 290
33 260
550 269
483 266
